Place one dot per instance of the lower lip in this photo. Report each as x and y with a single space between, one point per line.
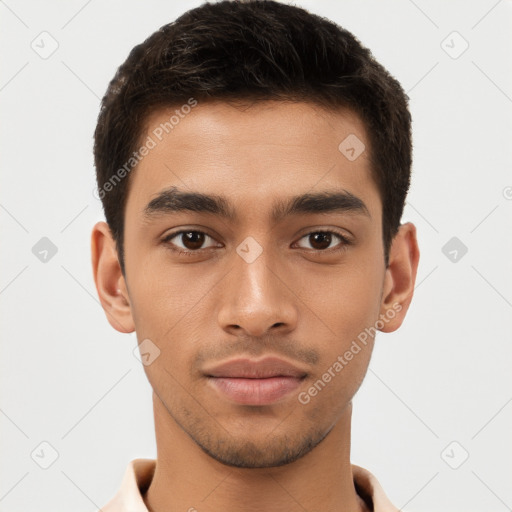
255 391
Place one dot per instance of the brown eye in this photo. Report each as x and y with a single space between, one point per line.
187 240
322 240
192 240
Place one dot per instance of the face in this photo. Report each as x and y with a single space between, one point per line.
251 272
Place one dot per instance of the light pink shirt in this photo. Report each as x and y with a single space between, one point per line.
139 473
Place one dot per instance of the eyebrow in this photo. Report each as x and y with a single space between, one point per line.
174 200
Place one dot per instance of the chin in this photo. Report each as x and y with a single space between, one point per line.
264 453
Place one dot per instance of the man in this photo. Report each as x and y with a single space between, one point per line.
253 161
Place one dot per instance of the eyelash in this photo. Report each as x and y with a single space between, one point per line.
343 246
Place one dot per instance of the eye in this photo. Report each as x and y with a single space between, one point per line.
192 241
321 240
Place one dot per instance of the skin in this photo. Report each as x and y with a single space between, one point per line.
294 301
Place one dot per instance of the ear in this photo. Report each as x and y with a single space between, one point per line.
109 280
400 278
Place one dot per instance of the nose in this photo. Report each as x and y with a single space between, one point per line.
257 299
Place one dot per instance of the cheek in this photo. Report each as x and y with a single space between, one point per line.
167 297
339 376
346 306
345 301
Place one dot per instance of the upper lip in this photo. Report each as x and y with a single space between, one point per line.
255 369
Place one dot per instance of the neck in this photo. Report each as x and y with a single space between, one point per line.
187 479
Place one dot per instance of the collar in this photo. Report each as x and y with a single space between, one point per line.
139 473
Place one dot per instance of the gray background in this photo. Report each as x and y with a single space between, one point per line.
437 391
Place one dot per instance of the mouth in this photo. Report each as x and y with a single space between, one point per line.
249 382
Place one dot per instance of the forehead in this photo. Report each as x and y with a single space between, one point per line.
253 154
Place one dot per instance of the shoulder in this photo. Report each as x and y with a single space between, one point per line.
370 490
136 480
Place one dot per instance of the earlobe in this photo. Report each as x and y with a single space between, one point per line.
109 281
400 277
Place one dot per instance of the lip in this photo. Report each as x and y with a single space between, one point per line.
250 382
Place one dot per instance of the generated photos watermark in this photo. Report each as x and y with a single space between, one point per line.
342 361
150 143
